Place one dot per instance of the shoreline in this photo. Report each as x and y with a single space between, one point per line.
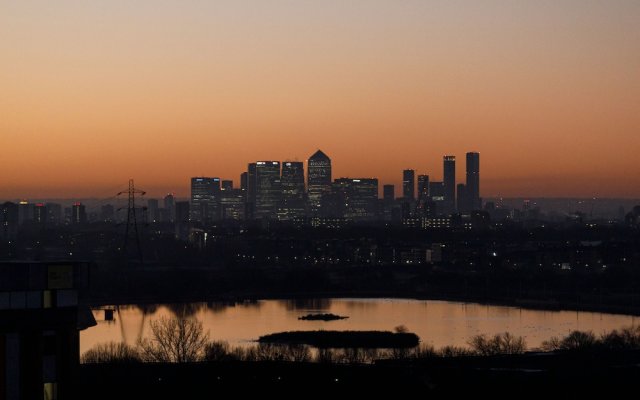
529 304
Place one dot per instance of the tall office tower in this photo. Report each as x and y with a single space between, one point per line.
449 183
227 185
436 195
170 207
78 213
423 192
205 199
232 204
268 189
473 181
423 188
292 180
182 223
40 214
25 212
388 193
54 213
8 220
408 184
251 191
463 199
318 180
358 198
243 181
388 201
153 213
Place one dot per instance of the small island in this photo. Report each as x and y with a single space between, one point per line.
321 317
344 339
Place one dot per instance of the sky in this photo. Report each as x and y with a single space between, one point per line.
93 93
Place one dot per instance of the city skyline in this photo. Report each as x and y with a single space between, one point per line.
95 93
184 189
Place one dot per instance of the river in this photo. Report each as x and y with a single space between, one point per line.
439 323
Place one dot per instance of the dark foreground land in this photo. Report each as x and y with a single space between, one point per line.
513 376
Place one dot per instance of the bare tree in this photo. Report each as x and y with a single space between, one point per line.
502 343
111 352
174 340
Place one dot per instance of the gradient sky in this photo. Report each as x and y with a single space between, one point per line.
95 92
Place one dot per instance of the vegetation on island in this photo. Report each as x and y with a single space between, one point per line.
321 317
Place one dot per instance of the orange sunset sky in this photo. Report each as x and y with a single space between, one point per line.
95 92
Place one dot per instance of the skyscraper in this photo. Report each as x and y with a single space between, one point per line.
227 185
78 213
268 189
473 181
170 206
205 199
423 188
319 180
292 180
408 184
182 223
153 214
463 204
40 214
423 192
251 191
8 220
449 182
388 193
358 197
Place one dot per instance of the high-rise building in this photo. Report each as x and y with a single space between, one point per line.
227 185
292 180
182 223
205 199
251 191
25 212
153 213
423 188
268 189
388 201
359 197
78 213
54 213
449 182
408 184
463 199
243 181
436 194
318 180
232 204
8 220
40 214
170 207
388 193
473 181
423 193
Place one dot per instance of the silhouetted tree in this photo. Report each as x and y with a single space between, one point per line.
576 340
218 351
174 340
111 352
502 343
625 339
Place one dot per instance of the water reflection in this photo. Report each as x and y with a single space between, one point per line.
438 323
307 304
